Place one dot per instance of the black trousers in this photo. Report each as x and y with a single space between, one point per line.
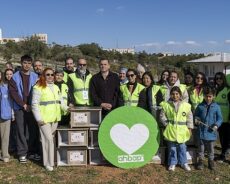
27 133
224 134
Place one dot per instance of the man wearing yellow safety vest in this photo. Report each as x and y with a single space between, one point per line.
176 116
69 68
172 81
78 83
130 92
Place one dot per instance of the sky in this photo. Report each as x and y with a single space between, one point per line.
177 26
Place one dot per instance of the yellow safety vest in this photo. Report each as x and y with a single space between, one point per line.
49 105
155 89
222 100
131 99
195 98
64 93
176 130
66 76
164 90
81 87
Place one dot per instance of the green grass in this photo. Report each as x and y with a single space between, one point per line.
14 172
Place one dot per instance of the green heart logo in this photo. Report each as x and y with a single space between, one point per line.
129 137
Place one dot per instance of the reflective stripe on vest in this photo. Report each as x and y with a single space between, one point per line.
176 130
131 99
49 106
222 100
50 102
79 87
195 98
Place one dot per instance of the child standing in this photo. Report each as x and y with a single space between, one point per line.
208 118
177 116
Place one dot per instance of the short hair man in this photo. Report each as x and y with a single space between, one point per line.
69 68
105 88
78 83
20 90
38 67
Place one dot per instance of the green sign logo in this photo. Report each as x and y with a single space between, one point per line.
129 137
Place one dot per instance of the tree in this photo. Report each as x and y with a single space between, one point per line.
33 47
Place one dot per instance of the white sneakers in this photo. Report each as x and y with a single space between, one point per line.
49 168
185 167
172 168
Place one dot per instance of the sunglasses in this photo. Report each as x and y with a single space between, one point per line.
131 75
201 78
81 64
49 74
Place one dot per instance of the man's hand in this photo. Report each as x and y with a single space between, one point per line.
106 106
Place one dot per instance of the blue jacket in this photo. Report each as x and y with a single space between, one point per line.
18 80
5 102
210 115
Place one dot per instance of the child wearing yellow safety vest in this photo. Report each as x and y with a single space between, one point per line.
176 116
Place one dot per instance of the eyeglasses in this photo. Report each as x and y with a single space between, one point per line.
81 64
219 78
201 78
131 75
49 74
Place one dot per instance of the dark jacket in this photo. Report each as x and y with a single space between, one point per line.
105 90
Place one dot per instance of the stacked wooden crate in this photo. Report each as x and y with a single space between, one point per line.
77 144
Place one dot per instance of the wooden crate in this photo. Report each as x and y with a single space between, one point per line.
159 158
93 137
191 155
72 137
85 117
71 156
78 137
96 157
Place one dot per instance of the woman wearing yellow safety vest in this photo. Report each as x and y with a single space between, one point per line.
130 92
176 116
223 100
46 107
150 97
196 91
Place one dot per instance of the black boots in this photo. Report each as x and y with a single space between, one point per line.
211 164
200 165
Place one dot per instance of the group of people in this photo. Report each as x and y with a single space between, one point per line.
36 102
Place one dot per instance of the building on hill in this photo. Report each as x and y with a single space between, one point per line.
122 51
41 37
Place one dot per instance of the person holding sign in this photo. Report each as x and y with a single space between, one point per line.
46 106
176 116
131 91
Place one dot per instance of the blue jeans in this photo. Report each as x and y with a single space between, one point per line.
176 153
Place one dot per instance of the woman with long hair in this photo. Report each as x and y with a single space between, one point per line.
223 100
196 91
46 107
